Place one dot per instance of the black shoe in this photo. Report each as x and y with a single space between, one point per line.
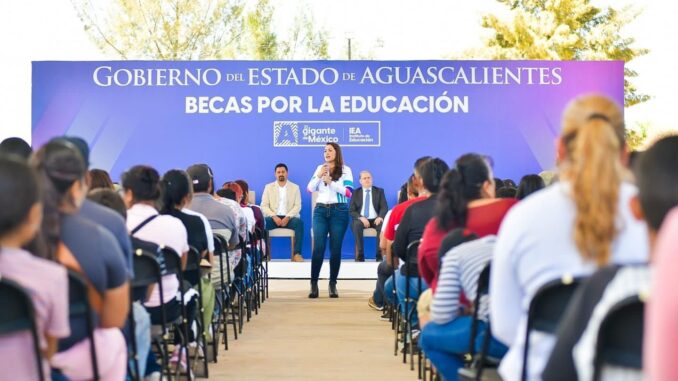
333 290
360 259
379 258
314 291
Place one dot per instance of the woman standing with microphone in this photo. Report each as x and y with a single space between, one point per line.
334 183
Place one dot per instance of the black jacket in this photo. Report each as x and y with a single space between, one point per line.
378 202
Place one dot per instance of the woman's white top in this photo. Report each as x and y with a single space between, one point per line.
337 191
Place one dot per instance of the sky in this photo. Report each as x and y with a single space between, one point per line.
386 29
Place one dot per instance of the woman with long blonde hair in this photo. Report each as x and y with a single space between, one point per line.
573 227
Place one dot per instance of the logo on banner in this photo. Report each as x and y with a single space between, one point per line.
319 133
285 134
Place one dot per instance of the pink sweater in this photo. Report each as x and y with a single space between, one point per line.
661 322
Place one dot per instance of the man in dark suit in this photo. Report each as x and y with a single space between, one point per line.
367 209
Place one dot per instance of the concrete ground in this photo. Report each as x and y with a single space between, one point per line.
296 338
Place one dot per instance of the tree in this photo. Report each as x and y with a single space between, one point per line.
194 29
564 30
637 137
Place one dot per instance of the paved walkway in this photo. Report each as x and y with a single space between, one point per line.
296 338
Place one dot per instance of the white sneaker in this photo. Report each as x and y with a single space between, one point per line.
155 376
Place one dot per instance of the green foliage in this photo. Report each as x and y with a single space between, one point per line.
196 30
637 137
563 30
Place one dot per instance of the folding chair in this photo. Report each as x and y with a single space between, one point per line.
224 301
146 273
79 308
193 264
546 309
407 313
17 314
282 232
620 337
173 264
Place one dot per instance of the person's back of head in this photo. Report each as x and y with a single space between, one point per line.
245 191
61 170
470 179
237 190
202 178
21 213
498 184
528 185
227 193
17 147
657 178
509 183
175 189
411 189
590 158
432 172
108 198
141 183
507 192
98 178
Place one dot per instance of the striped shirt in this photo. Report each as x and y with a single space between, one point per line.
459 273
337 192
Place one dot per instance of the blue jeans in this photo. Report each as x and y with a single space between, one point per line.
295 224
388 290
414 294
445 344
384 272
142 331
332 220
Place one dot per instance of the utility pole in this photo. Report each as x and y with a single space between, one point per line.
349 48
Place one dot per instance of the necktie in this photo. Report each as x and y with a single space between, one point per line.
366 207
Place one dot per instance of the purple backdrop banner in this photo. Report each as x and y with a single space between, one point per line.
243 117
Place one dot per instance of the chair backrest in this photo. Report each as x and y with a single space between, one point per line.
17 314
225 233
452 239
483 288
172 260
546 308
251 197
146 272
620 337
79 308
192 259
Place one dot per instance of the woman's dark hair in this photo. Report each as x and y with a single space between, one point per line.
657 178
528 185
245 191
143 181
510 183
59 165
20 181
507 192
461 185
226 193
98 178
174 188
498 184
338 162
402 195
16 146
110 199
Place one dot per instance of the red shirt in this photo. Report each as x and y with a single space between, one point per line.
397 215
482 220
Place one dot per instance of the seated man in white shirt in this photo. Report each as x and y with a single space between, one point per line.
367 209
281 204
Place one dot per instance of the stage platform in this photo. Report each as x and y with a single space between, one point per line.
284 269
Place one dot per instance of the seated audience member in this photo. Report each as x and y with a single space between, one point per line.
498 184
89 250
445 339
661 339
232 204
176 193
368 208
508 183
572 357
528 185
385 268
17 147
45 281
141 185
219 215
247 213
98 214
244 203
411 229
281 204
507 192
573 227
98 178
142 320
465 200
